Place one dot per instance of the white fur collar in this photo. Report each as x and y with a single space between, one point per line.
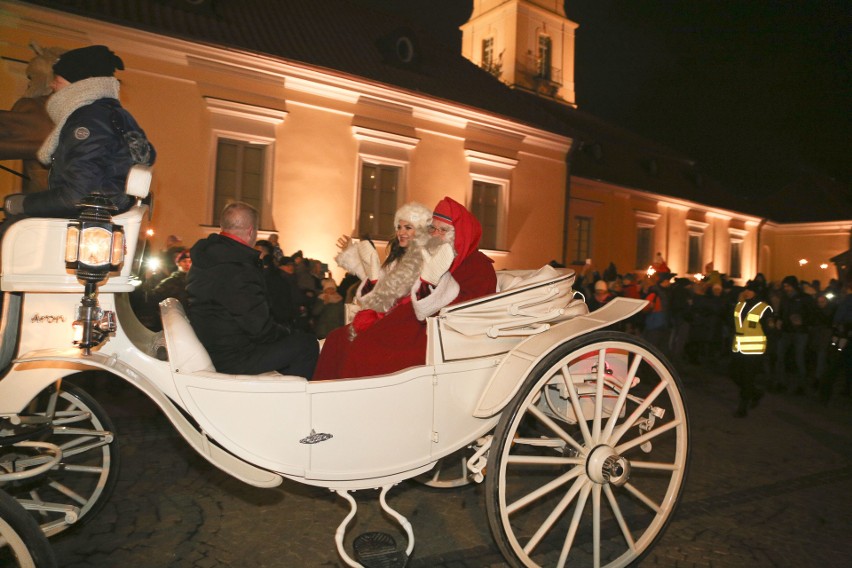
65 101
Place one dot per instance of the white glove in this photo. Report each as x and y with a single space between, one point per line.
370 259
437 263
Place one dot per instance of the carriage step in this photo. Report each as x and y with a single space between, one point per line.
378 550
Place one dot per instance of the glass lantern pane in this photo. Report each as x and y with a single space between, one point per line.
95 246
72 239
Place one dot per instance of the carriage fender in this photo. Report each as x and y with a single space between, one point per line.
225 461
520 361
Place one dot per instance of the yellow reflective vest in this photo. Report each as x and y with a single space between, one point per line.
749 338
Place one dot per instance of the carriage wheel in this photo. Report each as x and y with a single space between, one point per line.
88 471
22 543
598 491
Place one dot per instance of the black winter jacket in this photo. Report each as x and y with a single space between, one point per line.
97 147
228 300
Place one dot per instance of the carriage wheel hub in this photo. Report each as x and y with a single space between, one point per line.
604 465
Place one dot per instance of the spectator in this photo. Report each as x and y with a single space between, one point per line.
328 310
793 319
600 296
657 325
174 285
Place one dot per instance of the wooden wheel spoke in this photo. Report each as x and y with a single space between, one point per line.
638 412
619 517
642 497
622 397
639 440
543 490
556 428
575 524
575 404
555 514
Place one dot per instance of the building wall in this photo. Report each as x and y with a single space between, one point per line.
785 245
617 212
321 125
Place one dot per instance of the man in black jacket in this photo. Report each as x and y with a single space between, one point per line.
229 304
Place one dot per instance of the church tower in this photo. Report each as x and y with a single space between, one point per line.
527 44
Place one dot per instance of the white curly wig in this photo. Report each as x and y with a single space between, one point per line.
415 213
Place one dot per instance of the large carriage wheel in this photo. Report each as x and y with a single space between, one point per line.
88 471
22 543
598 491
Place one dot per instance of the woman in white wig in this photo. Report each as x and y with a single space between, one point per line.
386 335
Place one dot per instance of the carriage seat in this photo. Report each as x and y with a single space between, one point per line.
185 352
527 302
33 249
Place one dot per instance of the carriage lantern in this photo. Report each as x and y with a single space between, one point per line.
94 247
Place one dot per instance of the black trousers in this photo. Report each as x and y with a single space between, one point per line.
295 355
744 371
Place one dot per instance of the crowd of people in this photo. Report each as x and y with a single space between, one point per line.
697 321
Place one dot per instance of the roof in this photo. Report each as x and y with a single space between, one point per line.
615 155
337 35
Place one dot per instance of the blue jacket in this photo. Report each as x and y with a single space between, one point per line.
97 146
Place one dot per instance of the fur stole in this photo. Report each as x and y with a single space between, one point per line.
396 282
65 101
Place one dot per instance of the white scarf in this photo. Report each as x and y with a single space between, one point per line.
65 101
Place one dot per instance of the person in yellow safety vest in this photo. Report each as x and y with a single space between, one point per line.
749 346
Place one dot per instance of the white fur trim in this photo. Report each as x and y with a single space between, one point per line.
442 295
350 260
62 103
370 259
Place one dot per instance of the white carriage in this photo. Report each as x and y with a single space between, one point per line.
583 429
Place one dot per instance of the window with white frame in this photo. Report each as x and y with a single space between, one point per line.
240 168
487 52
695 246
485 205
735 270
489 195
545 56
383 167
645 224
582 239
379 198
644 247
243 145
696 250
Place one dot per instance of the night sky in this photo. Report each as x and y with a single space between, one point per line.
756 91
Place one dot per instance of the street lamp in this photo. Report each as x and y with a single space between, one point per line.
94 247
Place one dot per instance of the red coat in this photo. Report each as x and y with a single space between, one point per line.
398 340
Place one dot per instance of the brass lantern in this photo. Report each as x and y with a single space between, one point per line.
94 247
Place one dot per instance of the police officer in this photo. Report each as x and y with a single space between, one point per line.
749 346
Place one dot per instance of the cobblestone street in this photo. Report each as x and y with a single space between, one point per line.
772 489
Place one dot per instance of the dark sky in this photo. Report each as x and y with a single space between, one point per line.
757 91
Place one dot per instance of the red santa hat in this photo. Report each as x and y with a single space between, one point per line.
467 229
